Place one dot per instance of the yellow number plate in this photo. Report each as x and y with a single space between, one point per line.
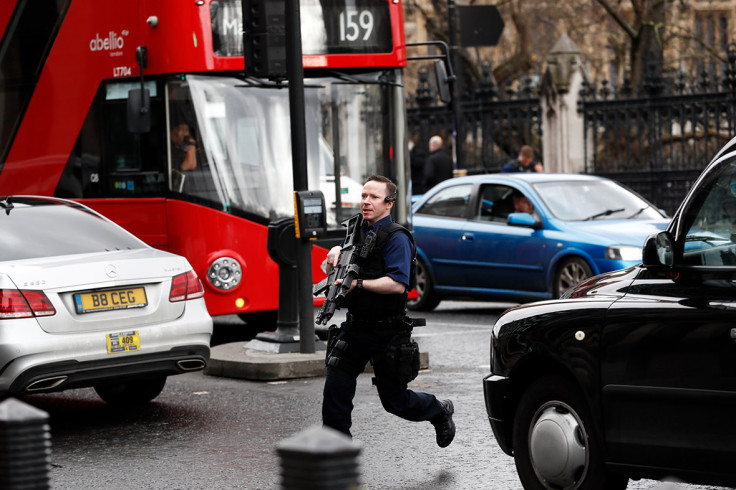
123 342
110 300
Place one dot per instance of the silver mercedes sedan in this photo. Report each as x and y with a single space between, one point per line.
85 303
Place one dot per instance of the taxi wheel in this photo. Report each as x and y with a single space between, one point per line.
132 392
556 443
426 299
570 273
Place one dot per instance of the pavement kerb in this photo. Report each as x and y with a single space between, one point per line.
234 360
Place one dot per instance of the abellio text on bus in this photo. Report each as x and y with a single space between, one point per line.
214 168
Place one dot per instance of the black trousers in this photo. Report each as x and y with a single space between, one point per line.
364 343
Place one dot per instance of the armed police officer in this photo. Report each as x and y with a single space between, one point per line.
376 327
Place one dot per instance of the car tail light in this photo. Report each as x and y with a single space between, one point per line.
186 286
194 286
24 304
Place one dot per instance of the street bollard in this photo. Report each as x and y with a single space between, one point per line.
25 446
319 458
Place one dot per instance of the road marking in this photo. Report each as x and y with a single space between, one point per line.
463 325
454 332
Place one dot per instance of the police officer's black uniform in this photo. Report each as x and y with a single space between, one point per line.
376 324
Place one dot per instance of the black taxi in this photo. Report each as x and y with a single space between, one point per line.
631 374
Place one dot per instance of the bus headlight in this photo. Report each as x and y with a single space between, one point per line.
623 252
225 273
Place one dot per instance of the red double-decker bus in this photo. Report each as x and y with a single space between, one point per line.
214 168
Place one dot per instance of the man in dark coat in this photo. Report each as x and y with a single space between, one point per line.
417 159
438 166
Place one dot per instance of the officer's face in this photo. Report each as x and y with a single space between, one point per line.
373 203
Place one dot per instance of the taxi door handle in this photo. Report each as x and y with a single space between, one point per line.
468 237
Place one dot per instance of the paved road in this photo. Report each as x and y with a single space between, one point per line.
219 433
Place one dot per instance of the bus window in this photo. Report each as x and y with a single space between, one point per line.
107 160
190 173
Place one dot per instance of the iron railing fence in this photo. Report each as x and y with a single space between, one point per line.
656 140
490 129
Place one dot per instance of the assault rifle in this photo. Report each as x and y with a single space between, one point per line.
347 268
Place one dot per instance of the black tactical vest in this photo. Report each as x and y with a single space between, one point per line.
366 305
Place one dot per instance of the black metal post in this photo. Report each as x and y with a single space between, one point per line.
25 446
319 458
424 99
457 89
295 74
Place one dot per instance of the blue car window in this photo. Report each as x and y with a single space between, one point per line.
594 201
495 203
451 202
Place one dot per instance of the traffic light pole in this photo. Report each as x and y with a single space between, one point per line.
295 74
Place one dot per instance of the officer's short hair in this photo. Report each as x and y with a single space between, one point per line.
390 186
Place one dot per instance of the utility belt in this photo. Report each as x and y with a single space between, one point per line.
401 322
398 363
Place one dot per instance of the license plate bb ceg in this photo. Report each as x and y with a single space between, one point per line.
117 299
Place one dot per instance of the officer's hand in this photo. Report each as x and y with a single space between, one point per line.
352 284
333 255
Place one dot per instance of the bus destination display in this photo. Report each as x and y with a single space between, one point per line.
343 27
328 27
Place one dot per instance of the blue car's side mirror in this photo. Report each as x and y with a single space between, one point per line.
524 219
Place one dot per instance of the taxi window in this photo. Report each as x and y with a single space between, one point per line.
710 239
451 202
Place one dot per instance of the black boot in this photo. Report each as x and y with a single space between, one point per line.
444 425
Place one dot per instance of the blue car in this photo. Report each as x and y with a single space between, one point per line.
526 236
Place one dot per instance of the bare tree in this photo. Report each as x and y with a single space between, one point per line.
631 37
644 32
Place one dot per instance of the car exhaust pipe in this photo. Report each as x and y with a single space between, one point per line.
46 383
191 364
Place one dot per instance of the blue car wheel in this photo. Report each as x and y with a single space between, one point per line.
570 272
426 300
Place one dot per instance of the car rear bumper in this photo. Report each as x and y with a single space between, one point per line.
66 375
30 357
496 393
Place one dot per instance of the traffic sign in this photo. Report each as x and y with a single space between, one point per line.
480 25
